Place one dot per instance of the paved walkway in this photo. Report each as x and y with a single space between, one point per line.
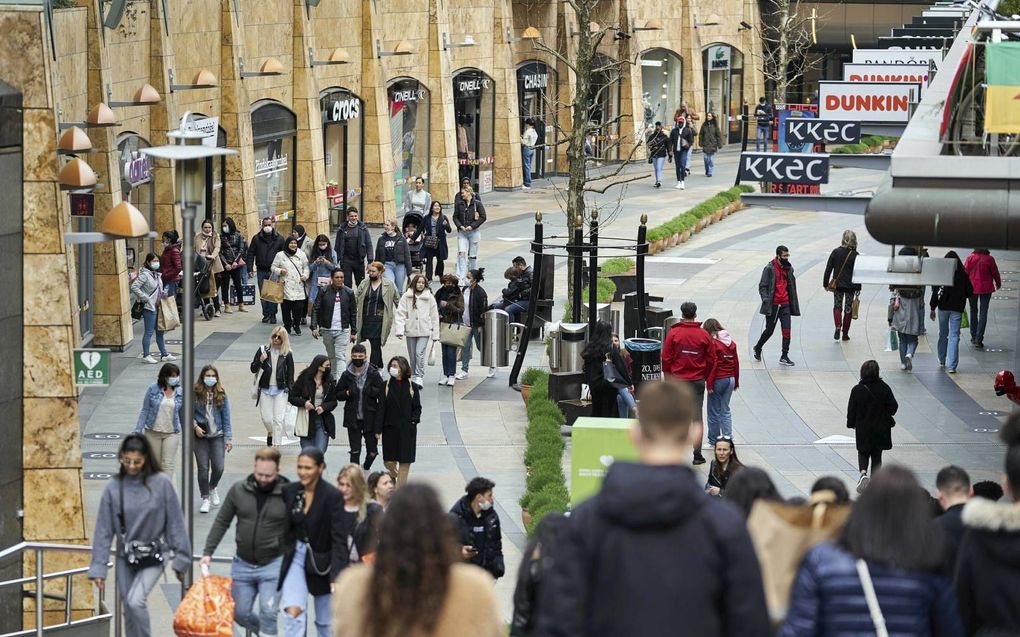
789 421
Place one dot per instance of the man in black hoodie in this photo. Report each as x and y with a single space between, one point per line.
652 554
477 527
262 249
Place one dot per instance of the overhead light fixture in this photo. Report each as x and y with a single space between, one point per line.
124 220
99 117
529 33
269 67
74 141
203 79
650 25
469 40
77 175
338 56
403 48
713 21
146 95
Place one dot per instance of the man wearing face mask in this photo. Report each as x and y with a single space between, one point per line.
778 290
353 247
334 316
262 249
361 387
376 300
477 525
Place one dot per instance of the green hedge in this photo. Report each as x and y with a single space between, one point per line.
546 486
688 219
862 146
605 290
619 265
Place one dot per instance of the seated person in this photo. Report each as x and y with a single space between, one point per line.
517 293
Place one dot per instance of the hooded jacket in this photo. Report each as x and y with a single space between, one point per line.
261 530
727 361
482 532
649 553
767 290
263 248
688 353
988 569
983 273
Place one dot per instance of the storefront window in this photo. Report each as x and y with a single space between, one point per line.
274 136
724 85
474 104
409 135
661 83
343 143
137 187
536 92
604 122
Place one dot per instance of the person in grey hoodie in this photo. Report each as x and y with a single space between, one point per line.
262 523
361 388
139 508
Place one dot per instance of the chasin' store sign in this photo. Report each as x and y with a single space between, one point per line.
536 81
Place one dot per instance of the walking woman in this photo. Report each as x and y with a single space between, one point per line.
711 140
870 414
314 394
291 265
393 251
882 575
376 301
658 149
838 279
418 585
985 279
140 509
451 312
320 267
273 367
207 244
316 549
160 418
399 414
906 316
950 301
360 516
380 487
600 357
148 288
418 322
722 381
232 249
723 465
170 266
468 216
214 436
476 303
435 229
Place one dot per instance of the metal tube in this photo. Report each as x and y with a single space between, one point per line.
642 251
743 137
593 272
188 213
522 348
577 257
68 593
39 593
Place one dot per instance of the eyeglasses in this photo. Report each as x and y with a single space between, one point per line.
277 337
132 463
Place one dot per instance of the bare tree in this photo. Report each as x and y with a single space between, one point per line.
787 35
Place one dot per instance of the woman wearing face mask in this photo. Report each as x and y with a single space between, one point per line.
213 435
376 299
476 303
313 392
393 251
419 200
723 466
291 266
380 488
160 418
418 320
723 380
170 266
274 366
207 244
232 249
451 312
711 140
360 516
435 228
320 266
148 289
399 414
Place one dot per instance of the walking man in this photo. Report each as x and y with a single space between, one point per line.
335 316
353 247
778 290
477 526
261 251
763 118
361 388
528 140
658 149
688 354
262 524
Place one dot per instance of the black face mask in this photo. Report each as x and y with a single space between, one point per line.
784 262
358 362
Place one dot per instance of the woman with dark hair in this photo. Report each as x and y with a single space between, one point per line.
213 434
418 585
313 392
451 312
882 576
417 319
747 486
160 418
722 381
435 228
870 414
950 301
393 251
170 267
316 547
724 465
599 357
320 266
626 403
380 488
291 265
835 486
139 508
147 288
232 249
710 138
399 414
476 304
988 561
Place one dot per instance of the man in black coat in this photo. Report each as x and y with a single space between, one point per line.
778 291
652 554
361 388
477 526
953 487
335 317
353 247
262 249
681 142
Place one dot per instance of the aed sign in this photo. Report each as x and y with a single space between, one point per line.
897 56
906 73
92 367
793 168
817 131
866 101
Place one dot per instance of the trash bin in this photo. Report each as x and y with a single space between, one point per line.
646 359
573 338
603 312
552 348
495 339
668 323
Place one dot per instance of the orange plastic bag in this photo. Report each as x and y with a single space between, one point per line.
207 610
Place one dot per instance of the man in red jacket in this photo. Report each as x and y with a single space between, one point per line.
689 355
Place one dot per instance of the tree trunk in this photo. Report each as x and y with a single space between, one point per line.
783 52
580 115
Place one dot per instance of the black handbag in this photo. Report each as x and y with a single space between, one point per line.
137 309
138 554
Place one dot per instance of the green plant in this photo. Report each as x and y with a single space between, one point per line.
746 188
532 375
619 265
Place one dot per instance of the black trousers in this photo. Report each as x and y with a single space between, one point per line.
874 456
293 311
429 257
224 279
780 314
354 437
354 270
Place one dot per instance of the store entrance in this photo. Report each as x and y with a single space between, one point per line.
474 107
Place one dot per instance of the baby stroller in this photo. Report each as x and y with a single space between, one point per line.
204 287
414 239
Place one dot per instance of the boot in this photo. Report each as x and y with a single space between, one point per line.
846 326
241 307
355 458
837 318
369 459
227 310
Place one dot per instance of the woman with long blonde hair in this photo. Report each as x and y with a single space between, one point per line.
273 367
213 434
360 515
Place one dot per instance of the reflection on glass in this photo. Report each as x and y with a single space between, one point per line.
661 85
274 183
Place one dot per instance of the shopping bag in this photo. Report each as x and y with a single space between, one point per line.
964 322
432 353
167 317
207 609
856 306
272 291
290 418
455 335
247 295
893 343
300 423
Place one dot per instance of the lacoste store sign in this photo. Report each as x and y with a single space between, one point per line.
92 367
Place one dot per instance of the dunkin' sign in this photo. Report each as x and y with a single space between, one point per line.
900 73
866 101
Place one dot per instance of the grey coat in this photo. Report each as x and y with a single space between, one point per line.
146 288
767 290
909 318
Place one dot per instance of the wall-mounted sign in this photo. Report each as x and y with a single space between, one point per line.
83 204
270 166
924 31
473 86
908 73
816 131
138 169
536 81
92 367
208 127
914 43
342 110
791 168
407 95
719 58
866 101
896 56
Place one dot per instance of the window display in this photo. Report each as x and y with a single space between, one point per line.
474 105
274 136
661 84
343 144
409 135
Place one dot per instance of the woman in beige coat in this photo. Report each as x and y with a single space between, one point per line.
418 586
207 243
417 322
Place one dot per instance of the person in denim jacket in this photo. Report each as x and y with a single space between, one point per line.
213 434
160 418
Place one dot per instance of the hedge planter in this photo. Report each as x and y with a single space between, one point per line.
625 284
525 392
685 237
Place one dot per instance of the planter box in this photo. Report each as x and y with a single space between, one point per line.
685 237
717 215
626 282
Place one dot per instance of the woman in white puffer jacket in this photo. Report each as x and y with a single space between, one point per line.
417 322
291 265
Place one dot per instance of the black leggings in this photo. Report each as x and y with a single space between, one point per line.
354 436
429 256
874 456
227 277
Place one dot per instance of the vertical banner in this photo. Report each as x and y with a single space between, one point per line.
786 112
1002 100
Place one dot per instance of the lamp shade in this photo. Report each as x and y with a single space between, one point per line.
594 27
101 115
531 33
147 94
74 140
124 220
653 25
77 174
403 48
204 77
271 66
340 56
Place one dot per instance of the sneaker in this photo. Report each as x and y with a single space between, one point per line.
227 310
149 359
658 184
272 320
242 308
903 367
757 353
442 381
461 375
205 506
952 370
846 337
216 313
167 357
525 187
698 458
979 345
679 185
835 335
418 380
215 497
265 319
683 186
451 381
862 483
297 331
909 363
785 360
492 373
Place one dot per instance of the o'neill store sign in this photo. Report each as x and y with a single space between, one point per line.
791 168
866 101
407 95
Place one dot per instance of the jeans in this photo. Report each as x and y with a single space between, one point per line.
268 309
249 581
293 312
134 588
681 159
336 342
449 360
908 345
209 455
396 272
354 436
513 308
709 163
149 321
625 402
761 138
164 448
227 277
949 338
979 316
273 410
781 314
417 349
316 434
467 251
527 154
294 594
657 164
720 418
465 352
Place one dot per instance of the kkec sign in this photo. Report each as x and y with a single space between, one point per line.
792 168
905 73
897 56
817 131
866 101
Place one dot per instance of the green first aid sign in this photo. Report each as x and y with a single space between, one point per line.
92 367
595 444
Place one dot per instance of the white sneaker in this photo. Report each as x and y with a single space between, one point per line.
461 375
418 380
683 186
442 381
150 359
451 381
215 498
679 185
168 357
492 373
205 506
525 187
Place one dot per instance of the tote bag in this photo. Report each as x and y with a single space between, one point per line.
272 290
167 317
453 334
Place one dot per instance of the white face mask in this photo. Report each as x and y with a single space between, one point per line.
267 229
394 372
485 505
154 265
226 228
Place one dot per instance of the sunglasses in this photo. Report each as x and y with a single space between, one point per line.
131 463
277 337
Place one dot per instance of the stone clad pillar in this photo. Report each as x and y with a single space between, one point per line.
312 211
235 118
377 191
509 163
443 168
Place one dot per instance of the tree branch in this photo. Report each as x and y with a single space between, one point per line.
603 190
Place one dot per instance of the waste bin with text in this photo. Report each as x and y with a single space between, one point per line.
646 359
595 444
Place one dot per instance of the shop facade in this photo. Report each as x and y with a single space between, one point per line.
605 111
537 87
662 80
137 187
410 132
724 86
474 107
343 143
274 145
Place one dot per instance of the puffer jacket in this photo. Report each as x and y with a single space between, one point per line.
417 315
147 288
988 569
482 532
296 268
828 600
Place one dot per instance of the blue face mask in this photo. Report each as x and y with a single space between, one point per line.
173 381
210 381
